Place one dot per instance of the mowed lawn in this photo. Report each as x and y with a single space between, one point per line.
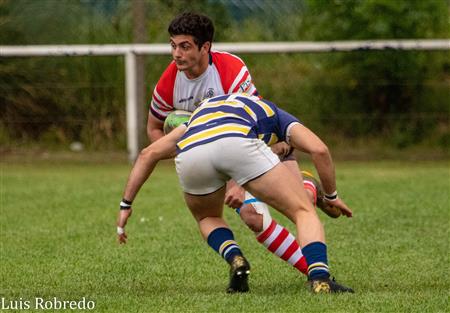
58 240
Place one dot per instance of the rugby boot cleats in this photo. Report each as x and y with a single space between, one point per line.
327 285
239 271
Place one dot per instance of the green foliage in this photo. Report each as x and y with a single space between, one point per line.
399 96
55 94
58 100
387 88
58 240
160 13
60 22
377 19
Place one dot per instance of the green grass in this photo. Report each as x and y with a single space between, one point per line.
58 240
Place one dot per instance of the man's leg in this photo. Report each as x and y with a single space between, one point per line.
276 238
207 211
310 188
273 236
284 192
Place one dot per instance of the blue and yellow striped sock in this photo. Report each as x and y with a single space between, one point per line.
222 241
316 257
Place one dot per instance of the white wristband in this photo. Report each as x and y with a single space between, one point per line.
120 230
125 205
332 196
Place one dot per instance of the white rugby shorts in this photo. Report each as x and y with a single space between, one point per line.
206 168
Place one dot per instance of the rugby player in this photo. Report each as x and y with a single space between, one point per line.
222 142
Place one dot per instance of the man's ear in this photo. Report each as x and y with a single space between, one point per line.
206 46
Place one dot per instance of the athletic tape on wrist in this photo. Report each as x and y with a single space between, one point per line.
125 204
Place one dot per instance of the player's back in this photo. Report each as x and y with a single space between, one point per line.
233 115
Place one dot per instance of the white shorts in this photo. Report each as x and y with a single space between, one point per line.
206 168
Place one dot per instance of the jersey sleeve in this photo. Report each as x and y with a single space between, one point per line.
234 75
285 120
162 99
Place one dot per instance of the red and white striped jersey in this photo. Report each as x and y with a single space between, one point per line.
225 74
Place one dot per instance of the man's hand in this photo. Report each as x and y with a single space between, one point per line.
235 195
341 205
121 222
122 238
281 149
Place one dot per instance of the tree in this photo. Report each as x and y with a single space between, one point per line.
386 87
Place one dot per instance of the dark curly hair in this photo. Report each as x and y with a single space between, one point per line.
198 26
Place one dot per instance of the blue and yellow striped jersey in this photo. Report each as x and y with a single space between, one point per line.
235 115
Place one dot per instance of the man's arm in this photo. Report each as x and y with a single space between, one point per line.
303 139
142 169
235 195
154 128
161 103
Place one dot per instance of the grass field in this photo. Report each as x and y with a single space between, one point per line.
58 240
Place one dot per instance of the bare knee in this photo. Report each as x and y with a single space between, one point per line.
251 218
300 210
208 224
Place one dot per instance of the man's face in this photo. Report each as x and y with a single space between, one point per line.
185 52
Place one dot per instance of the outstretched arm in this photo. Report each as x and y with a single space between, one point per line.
163 148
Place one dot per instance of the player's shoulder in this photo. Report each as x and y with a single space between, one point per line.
232 71
223 60
166 83
169 74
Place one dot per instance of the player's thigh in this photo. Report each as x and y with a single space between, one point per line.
203 206
292 166
280 189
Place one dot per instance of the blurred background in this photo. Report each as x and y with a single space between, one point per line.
361 102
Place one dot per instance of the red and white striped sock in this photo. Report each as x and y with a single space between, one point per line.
282 243
311 187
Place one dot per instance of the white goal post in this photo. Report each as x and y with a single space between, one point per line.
130 51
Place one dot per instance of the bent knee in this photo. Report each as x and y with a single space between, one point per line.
301 208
